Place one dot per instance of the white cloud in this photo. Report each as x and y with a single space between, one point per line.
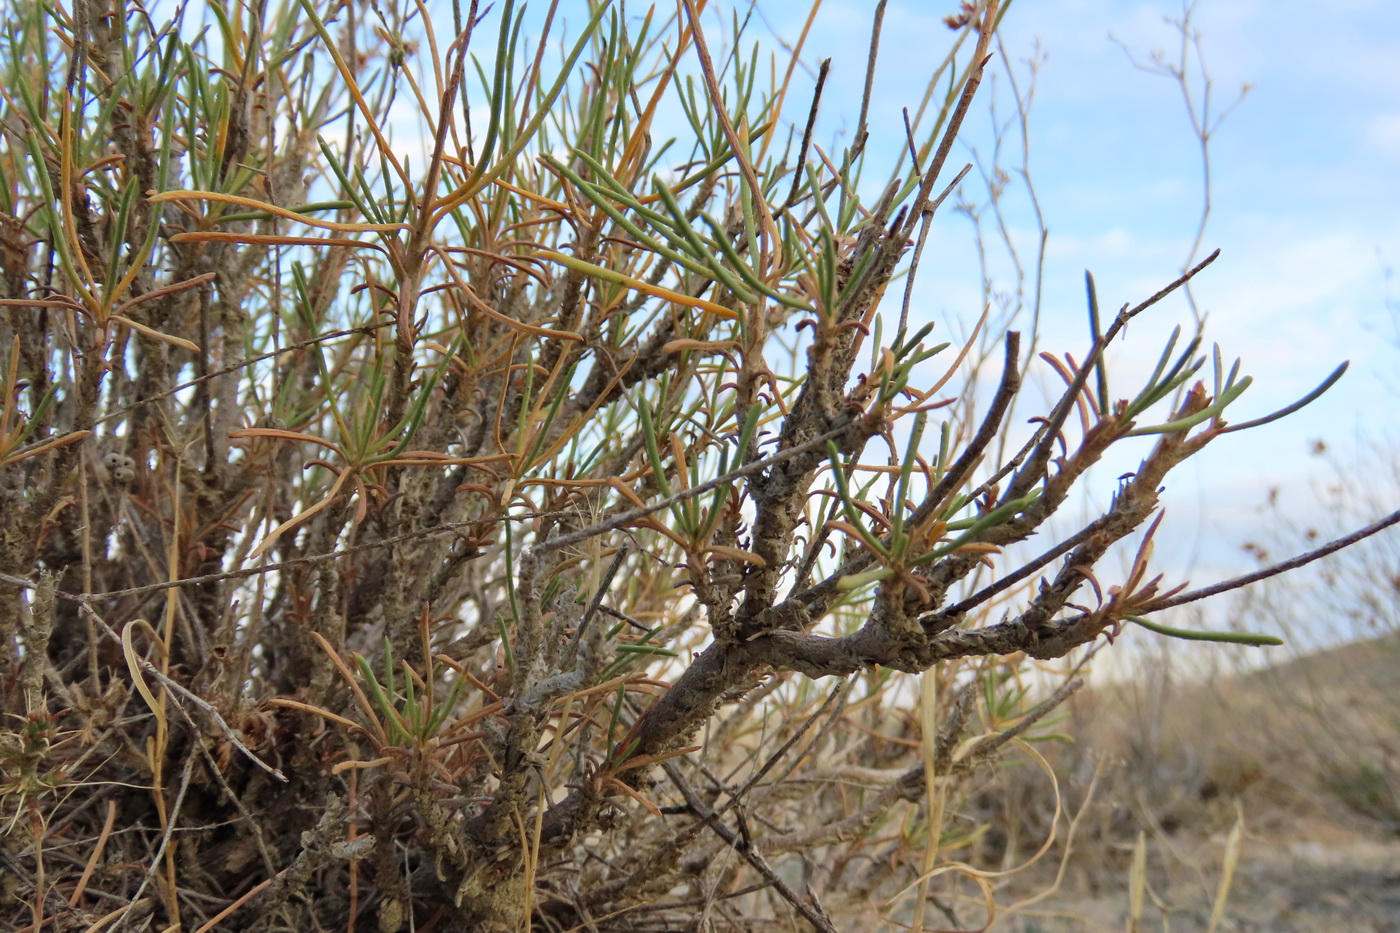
1383 134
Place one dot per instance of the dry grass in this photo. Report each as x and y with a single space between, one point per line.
1304 751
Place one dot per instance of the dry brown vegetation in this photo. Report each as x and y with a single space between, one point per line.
1298 760
554 528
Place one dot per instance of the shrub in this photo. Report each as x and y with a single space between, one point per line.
459 536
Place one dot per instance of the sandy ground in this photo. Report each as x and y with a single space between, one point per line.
1336 879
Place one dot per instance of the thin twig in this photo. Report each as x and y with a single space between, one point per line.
364 329
862 124
1023 572
1282 567
624 518
213 714
782 750
926 222
797 172
810 912
594 606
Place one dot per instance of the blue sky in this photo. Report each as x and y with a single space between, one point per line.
1306 185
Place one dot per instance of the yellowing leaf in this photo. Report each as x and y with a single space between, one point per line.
734 553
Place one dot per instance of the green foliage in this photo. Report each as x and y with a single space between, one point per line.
1367 790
